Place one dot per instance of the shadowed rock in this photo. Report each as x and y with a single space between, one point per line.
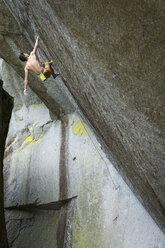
6 106
111 57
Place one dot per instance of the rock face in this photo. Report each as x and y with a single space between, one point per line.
60 188
6 106
110 55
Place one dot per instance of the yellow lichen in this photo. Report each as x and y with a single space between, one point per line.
30 141
80 128
36 105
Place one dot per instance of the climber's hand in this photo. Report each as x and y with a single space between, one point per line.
25 92
36 37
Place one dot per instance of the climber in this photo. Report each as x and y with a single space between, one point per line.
33 64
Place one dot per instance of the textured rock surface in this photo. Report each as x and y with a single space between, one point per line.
36 140
43 167
32 176
6 105
110 55
35 228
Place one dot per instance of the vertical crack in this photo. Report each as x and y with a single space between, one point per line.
64 172
64 231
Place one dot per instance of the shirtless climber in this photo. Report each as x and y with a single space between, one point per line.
33 64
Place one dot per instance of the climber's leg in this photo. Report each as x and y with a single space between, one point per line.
55 75
52 71
48 70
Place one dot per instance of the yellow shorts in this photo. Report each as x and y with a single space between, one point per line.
42 77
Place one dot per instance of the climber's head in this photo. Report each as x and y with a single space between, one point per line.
23 56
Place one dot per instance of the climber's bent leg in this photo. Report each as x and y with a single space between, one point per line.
48 65
47 71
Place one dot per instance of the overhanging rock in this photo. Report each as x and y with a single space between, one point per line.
111 57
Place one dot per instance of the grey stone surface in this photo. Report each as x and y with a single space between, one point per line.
112 216
33 229
110 56
6 105
36 140
32 181
49 160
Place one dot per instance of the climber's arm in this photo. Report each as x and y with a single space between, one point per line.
26 80
36 45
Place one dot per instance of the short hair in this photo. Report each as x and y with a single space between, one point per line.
22 57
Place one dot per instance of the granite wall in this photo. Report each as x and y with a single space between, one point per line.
61 190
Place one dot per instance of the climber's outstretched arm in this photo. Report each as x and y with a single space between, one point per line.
26 80
36 45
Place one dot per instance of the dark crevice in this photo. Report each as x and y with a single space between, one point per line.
64 231
66 213
6 106
56 205
64 174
